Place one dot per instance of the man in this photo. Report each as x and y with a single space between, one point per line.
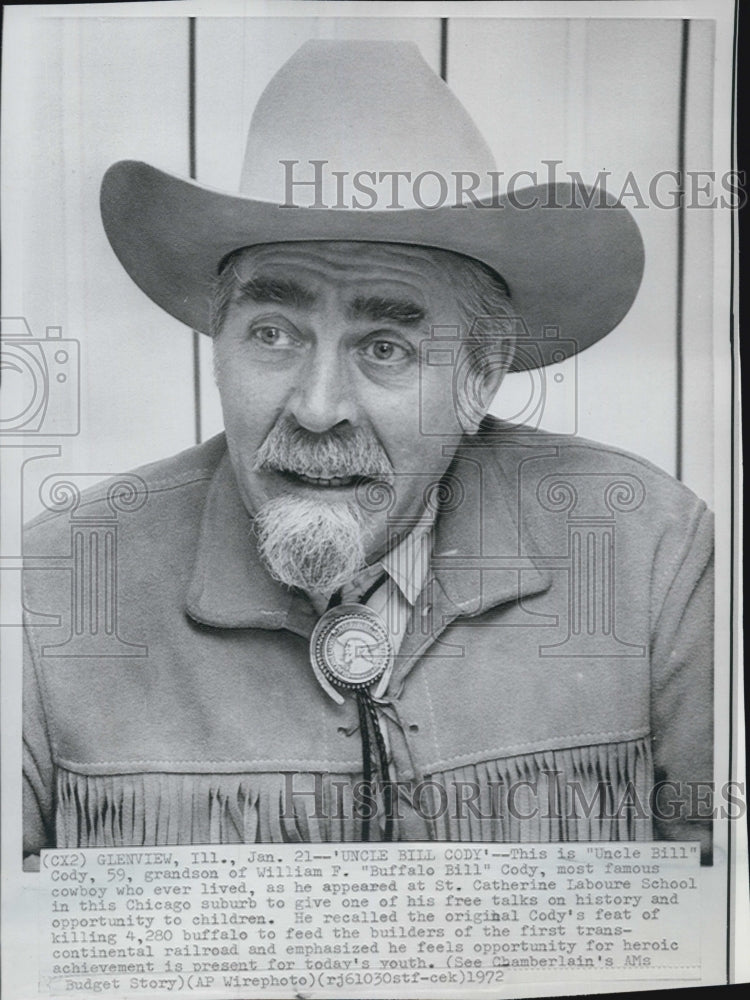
369 611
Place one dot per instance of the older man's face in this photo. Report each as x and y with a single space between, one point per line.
319 363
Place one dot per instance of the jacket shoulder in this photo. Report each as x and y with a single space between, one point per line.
558 483
177 482
625 477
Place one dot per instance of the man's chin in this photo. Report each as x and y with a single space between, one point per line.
311 537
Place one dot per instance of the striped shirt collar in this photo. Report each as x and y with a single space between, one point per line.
407 564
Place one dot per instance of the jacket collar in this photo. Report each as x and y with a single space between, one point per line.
477 560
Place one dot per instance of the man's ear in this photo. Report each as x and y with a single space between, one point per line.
476 391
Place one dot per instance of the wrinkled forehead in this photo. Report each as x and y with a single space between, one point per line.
348 268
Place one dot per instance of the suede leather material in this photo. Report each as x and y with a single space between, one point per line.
513 648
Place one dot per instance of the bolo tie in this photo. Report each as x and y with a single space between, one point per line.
352 648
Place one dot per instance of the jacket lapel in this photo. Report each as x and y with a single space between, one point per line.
479 560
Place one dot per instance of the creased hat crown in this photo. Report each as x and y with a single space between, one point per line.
359 106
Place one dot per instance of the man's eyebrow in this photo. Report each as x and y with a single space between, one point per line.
379 308
265 289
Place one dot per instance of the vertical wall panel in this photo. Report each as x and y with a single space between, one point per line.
236 58
511 76
698 399
598 95
100 91
628 381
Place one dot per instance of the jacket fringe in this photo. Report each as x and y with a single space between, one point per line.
595 793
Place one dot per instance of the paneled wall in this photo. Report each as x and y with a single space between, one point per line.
595 94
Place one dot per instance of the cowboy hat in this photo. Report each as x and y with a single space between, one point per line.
362 141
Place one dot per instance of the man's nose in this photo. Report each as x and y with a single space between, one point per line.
324 394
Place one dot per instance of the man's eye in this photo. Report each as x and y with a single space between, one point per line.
385 351
272 336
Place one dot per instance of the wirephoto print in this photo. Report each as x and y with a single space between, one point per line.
367 441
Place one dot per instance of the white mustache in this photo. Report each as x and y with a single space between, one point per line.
340 453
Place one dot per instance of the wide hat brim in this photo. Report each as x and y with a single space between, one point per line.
573 271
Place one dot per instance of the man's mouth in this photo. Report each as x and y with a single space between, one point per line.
320 482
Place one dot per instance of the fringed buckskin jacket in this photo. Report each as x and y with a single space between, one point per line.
555 673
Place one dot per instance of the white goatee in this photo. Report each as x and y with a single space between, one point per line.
315 545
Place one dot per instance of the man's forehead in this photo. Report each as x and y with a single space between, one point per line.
422 270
